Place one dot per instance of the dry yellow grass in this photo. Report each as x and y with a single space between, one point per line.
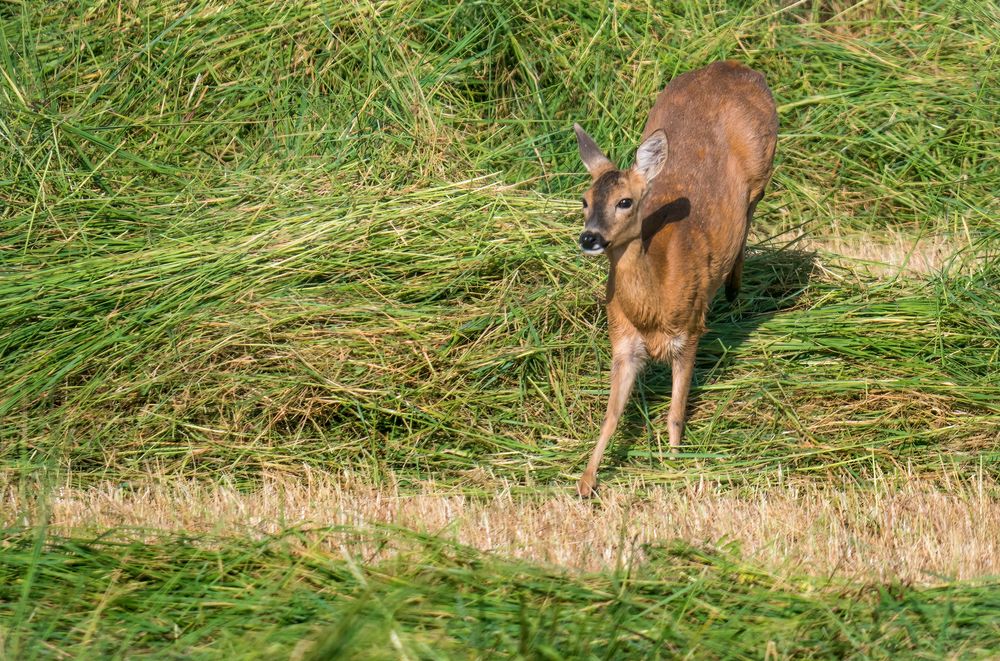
913 532
889 252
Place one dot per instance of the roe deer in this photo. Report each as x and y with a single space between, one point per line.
674 228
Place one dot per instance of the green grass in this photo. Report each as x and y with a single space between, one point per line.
238 239
169 597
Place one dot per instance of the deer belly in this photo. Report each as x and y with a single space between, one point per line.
665 346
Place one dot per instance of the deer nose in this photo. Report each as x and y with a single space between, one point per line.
592 242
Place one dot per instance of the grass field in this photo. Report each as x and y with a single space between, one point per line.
299 358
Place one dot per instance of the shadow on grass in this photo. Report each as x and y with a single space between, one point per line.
773 280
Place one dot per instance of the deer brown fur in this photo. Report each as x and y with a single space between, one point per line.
674 226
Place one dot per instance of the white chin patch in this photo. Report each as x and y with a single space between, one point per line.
593 251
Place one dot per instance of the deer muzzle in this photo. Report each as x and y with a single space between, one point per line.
592 243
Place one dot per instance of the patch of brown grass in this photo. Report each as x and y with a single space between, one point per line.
889 252
910 532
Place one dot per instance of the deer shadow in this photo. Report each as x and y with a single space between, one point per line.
773 280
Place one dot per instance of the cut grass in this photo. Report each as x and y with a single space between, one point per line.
212 272
463 335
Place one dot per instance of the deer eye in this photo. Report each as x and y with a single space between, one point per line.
624 203
584 204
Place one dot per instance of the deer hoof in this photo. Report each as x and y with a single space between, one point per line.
585 487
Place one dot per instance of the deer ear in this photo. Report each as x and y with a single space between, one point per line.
651 155
593 158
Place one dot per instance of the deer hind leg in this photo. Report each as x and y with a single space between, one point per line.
682 368
629 357
735 277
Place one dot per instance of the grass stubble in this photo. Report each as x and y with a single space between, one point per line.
298 357
903 532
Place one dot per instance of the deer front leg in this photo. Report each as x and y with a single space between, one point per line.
629 358
682 367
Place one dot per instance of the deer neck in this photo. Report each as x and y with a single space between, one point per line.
632 284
